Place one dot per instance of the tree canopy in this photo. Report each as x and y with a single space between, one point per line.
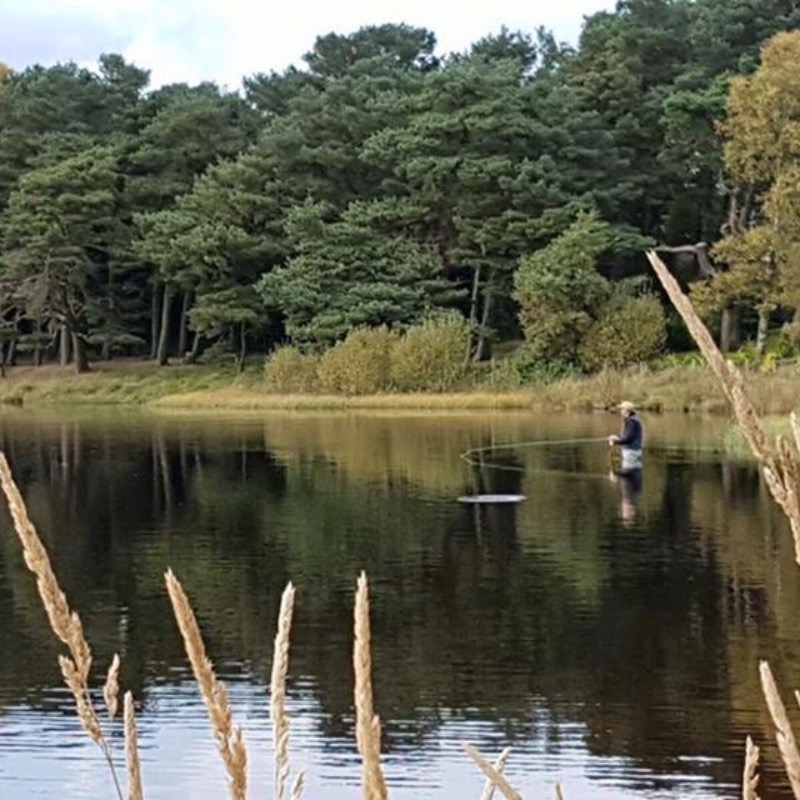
382 180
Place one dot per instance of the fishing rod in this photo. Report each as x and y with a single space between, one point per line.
468 455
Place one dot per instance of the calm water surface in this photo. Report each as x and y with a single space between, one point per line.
610 638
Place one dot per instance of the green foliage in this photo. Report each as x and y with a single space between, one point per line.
524 368
432 355
790 334
382 183
677 360
349 274
560 290
633 333
360 364
290 371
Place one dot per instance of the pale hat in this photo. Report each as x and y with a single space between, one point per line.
626 405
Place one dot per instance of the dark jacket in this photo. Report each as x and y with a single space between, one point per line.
632 436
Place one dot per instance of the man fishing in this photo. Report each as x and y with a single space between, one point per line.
629 477
631 440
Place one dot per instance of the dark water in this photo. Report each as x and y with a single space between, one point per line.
611 640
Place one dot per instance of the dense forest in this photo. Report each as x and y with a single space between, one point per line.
514 185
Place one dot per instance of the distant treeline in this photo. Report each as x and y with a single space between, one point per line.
381 184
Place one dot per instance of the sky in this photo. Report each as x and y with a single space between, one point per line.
223 40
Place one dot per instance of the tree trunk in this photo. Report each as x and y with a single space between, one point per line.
105 353
473 307
730 337
191 357
65 346
763 329
81 359
242 346
482 348
162 356
11 358
183 331
2 359
37 354
155 320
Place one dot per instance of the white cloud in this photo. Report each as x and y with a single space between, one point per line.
223 40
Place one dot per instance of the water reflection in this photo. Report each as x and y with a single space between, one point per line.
616 650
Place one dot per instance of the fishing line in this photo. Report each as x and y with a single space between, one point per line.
469 456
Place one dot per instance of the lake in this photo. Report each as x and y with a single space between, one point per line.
609 634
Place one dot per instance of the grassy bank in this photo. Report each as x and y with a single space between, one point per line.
206 387
118 383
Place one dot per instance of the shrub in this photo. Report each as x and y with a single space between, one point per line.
629 334
526 368
790 338
290 371
431 356
361 364
553 330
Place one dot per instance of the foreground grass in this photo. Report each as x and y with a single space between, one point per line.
218 387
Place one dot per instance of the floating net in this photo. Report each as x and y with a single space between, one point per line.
492 498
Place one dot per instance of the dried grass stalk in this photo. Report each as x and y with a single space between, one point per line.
784 734
132 750
214 694
298 785
111 687
560 792
782 470
66 624
368 726
499 780
750 773
277 709
499 765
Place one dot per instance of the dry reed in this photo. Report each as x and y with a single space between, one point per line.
499 780
499 765
111 687
66 624
782 470
750 772
132 750
368 726
783 734
560 792
298 785
214 693
280 669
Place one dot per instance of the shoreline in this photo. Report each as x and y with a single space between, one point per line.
219 388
